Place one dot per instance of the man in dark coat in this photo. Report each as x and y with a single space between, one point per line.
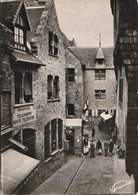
111 147
99 147
93 132
92 150
106 147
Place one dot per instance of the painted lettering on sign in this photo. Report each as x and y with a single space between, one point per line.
24 114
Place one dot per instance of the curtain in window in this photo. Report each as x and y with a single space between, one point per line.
28 84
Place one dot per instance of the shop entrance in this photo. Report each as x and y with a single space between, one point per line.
70 138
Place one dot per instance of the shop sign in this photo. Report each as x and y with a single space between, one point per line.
23 115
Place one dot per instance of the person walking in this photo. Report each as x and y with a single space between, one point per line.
106 147
93 133
99 147
92 150
111 146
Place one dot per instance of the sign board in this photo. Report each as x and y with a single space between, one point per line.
75 122
23 115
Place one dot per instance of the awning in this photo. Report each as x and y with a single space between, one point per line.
106 116
15 167
26 58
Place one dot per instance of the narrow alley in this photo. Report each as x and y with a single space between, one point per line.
86 175
69 97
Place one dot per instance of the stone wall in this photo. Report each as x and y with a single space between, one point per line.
74 90
109 84
54 65
126 57
74 95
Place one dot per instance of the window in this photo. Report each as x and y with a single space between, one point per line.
70 109
18 87
56 87
60 127
53 136
100 112
53 87
71 74
53 44
121 89
90 113
100 94
23 88
19 34
47 140
28 87
100 74
50 86
100 61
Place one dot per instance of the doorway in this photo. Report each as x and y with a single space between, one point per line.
70 138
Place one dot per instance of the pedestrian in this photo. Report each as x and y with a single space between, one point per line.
100 125
93 132
92 150
111 146
99 147
106 147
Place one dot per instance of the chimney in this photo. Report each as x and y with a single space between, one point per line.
34 47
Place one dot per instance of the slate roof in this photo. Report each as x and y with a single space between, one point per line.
66 40
88 55
100 54
34 14
28 58
8 11
38 26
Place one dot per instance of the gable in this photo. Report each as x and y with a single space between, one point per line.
34 14
22 17
9 12
48 17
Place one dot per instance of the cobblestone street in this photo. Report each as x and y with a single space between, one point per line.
88 176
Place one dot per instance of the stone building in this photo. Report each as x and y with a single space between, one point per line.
74 101
125 15
32 94
99 79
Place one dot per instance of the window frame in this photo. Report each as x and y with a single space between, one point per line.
53 43
54 135
99 94
19 82
73 108
100 61
20 34
100 74
52 88
71 75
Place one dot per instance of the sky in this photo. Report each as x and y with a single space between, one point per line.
84 20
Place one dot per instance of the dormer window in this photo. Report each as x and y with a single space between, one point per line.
19 34
100 61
